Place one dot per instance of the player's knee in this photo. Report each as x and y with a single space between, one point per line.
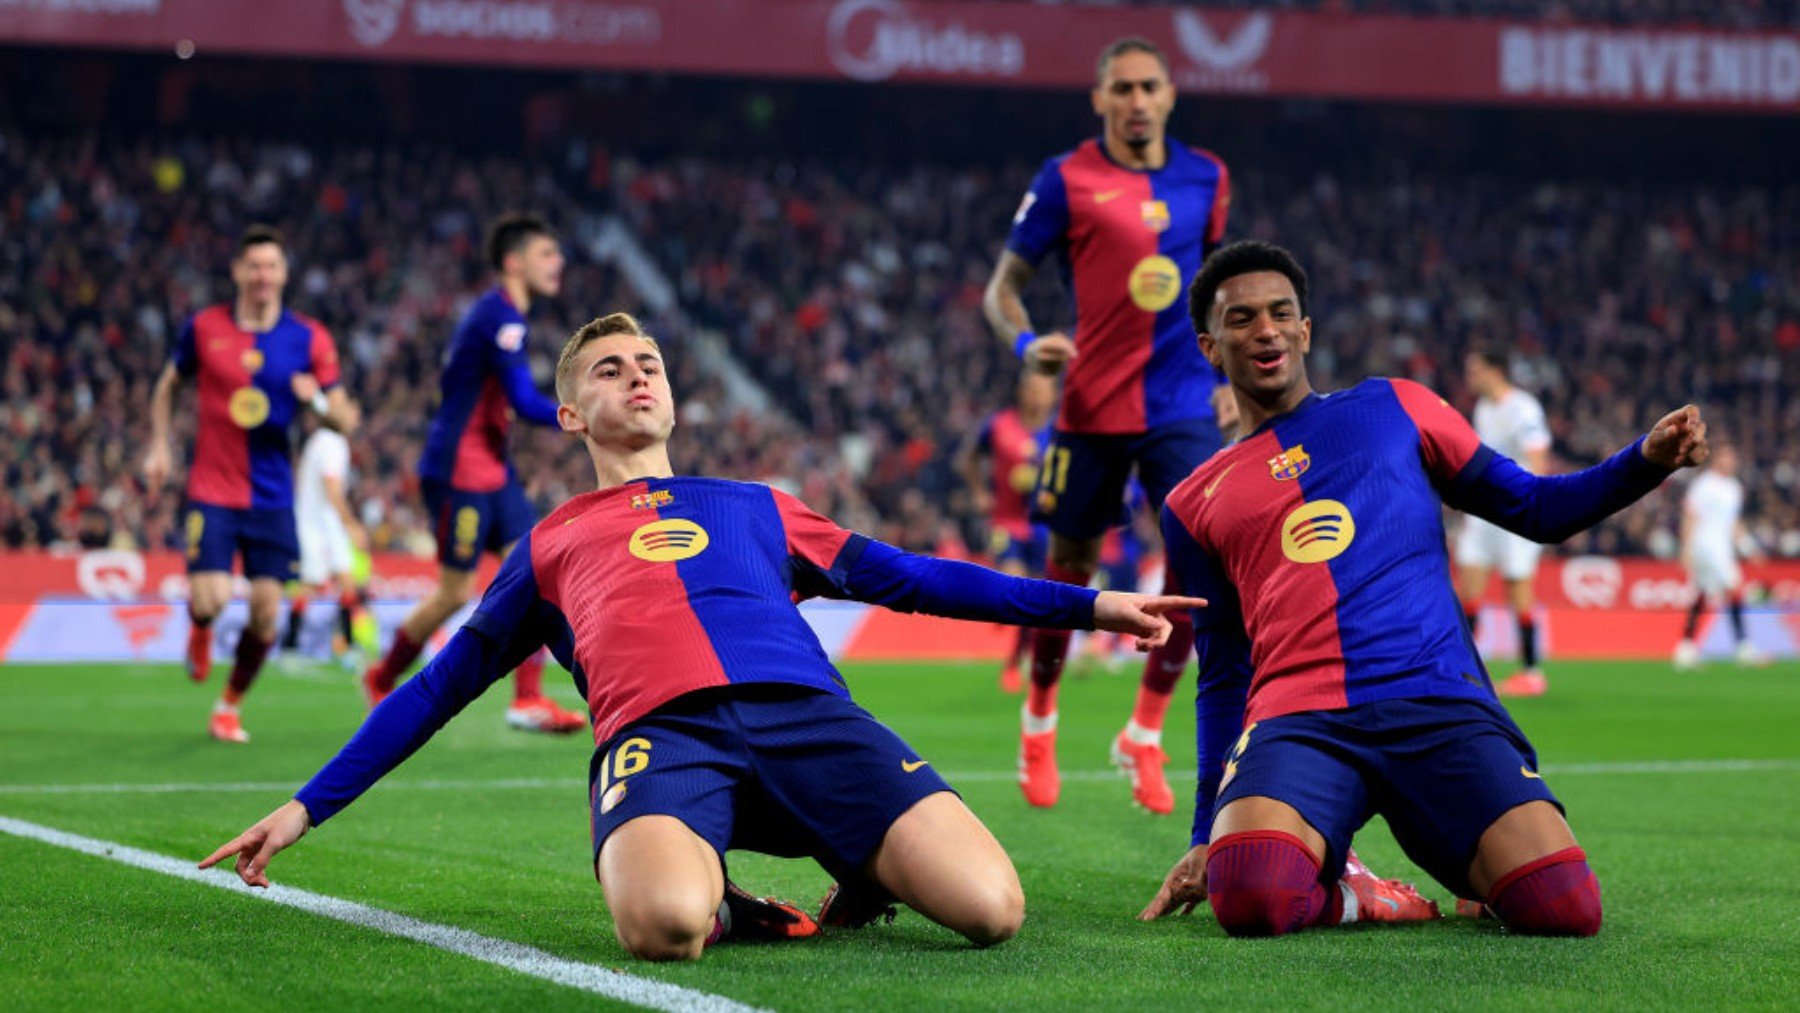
1261 884
664 931
1557 895
994 914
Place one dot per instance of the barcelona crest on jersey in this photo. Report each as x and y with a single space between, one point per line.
1290 463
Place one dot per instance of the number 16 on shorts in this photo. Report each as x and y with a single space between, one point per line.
626 759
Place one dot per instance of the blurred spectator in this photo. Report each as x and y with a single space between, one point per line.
851 292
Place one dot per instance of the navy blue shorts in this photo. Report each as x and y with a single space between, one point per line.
1031 553
779 769
1439 770
1081 483
470 523
266 537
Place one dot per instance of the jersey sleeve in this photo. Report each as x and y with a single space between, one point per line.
820 551
1223 650
186 357
1043 216
512 613
1446 440
1221 205
325 366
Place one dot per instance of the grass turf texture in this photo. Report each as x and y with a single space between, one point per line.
1697 867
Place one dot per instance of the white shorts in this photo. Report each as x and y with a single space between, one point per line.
325 549
1714 571
1495 548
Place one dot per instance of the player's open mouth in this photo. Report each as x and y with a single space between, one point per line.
1269 361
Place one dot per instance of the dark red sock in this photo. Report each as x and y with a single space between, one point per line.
1021 643
400 656
251 650
1556 895
199 645
1049 649
1266 883
528 678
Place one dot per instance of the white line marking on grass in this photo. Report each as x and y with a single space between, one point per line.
969 776
526 960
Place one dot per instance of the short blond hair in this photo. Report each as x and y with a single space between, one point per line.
590 332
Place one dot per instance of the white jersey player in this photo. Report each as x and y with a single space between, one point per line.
1512 422
328 530
1712 529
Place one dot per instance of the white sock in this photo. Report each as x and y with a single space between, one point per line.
224 708
1139 735
1352 910
1034 725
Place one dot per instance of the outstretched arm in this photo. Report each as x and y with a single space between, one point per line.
394 731
883 575
1550 508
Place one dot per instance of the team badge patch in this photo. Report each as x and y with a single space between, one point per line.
252 360
1155 283
510 337
1156 215
652 499
1316 532
1290 463
248 407
669 541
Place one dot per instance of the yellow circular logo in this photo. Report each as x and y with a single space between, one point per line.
1155 283
1023 477
669 541
249 407
1316 532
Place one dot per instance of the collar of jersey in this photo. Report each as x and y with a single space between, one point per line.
1305 403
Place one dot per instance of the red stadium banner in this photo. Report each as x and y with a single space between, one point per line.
999 44
120 576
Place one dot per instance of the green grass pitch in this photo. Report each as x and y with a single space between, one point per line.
1699 864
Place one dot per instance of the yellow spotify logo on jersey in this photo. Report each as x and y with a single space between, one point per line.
1155 283
669 541
249 406
1316 532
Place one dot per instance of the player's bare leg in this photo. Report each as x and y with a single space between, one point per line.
1072 561
941 861
1137 749
669 898
1262 876
252 649
1471 587
663 885
208 592
1534 876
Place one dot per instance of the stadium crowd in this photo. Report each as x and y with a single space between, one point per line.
852 294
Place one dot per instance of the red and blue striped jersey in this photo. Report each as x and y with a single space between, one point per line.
660 587
1012 451
485 372
247 405
1319 540
1129 242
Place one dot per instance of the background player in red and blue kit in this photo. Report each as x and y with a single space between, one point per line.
1130 215
471 491
1010 442
256 365
719 720
1335 666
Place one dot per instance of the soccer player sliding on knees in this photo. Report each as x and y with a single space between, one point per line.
1337 678
720 722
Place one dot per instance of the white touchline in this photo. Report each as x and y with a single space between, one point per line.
970 776
644 992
